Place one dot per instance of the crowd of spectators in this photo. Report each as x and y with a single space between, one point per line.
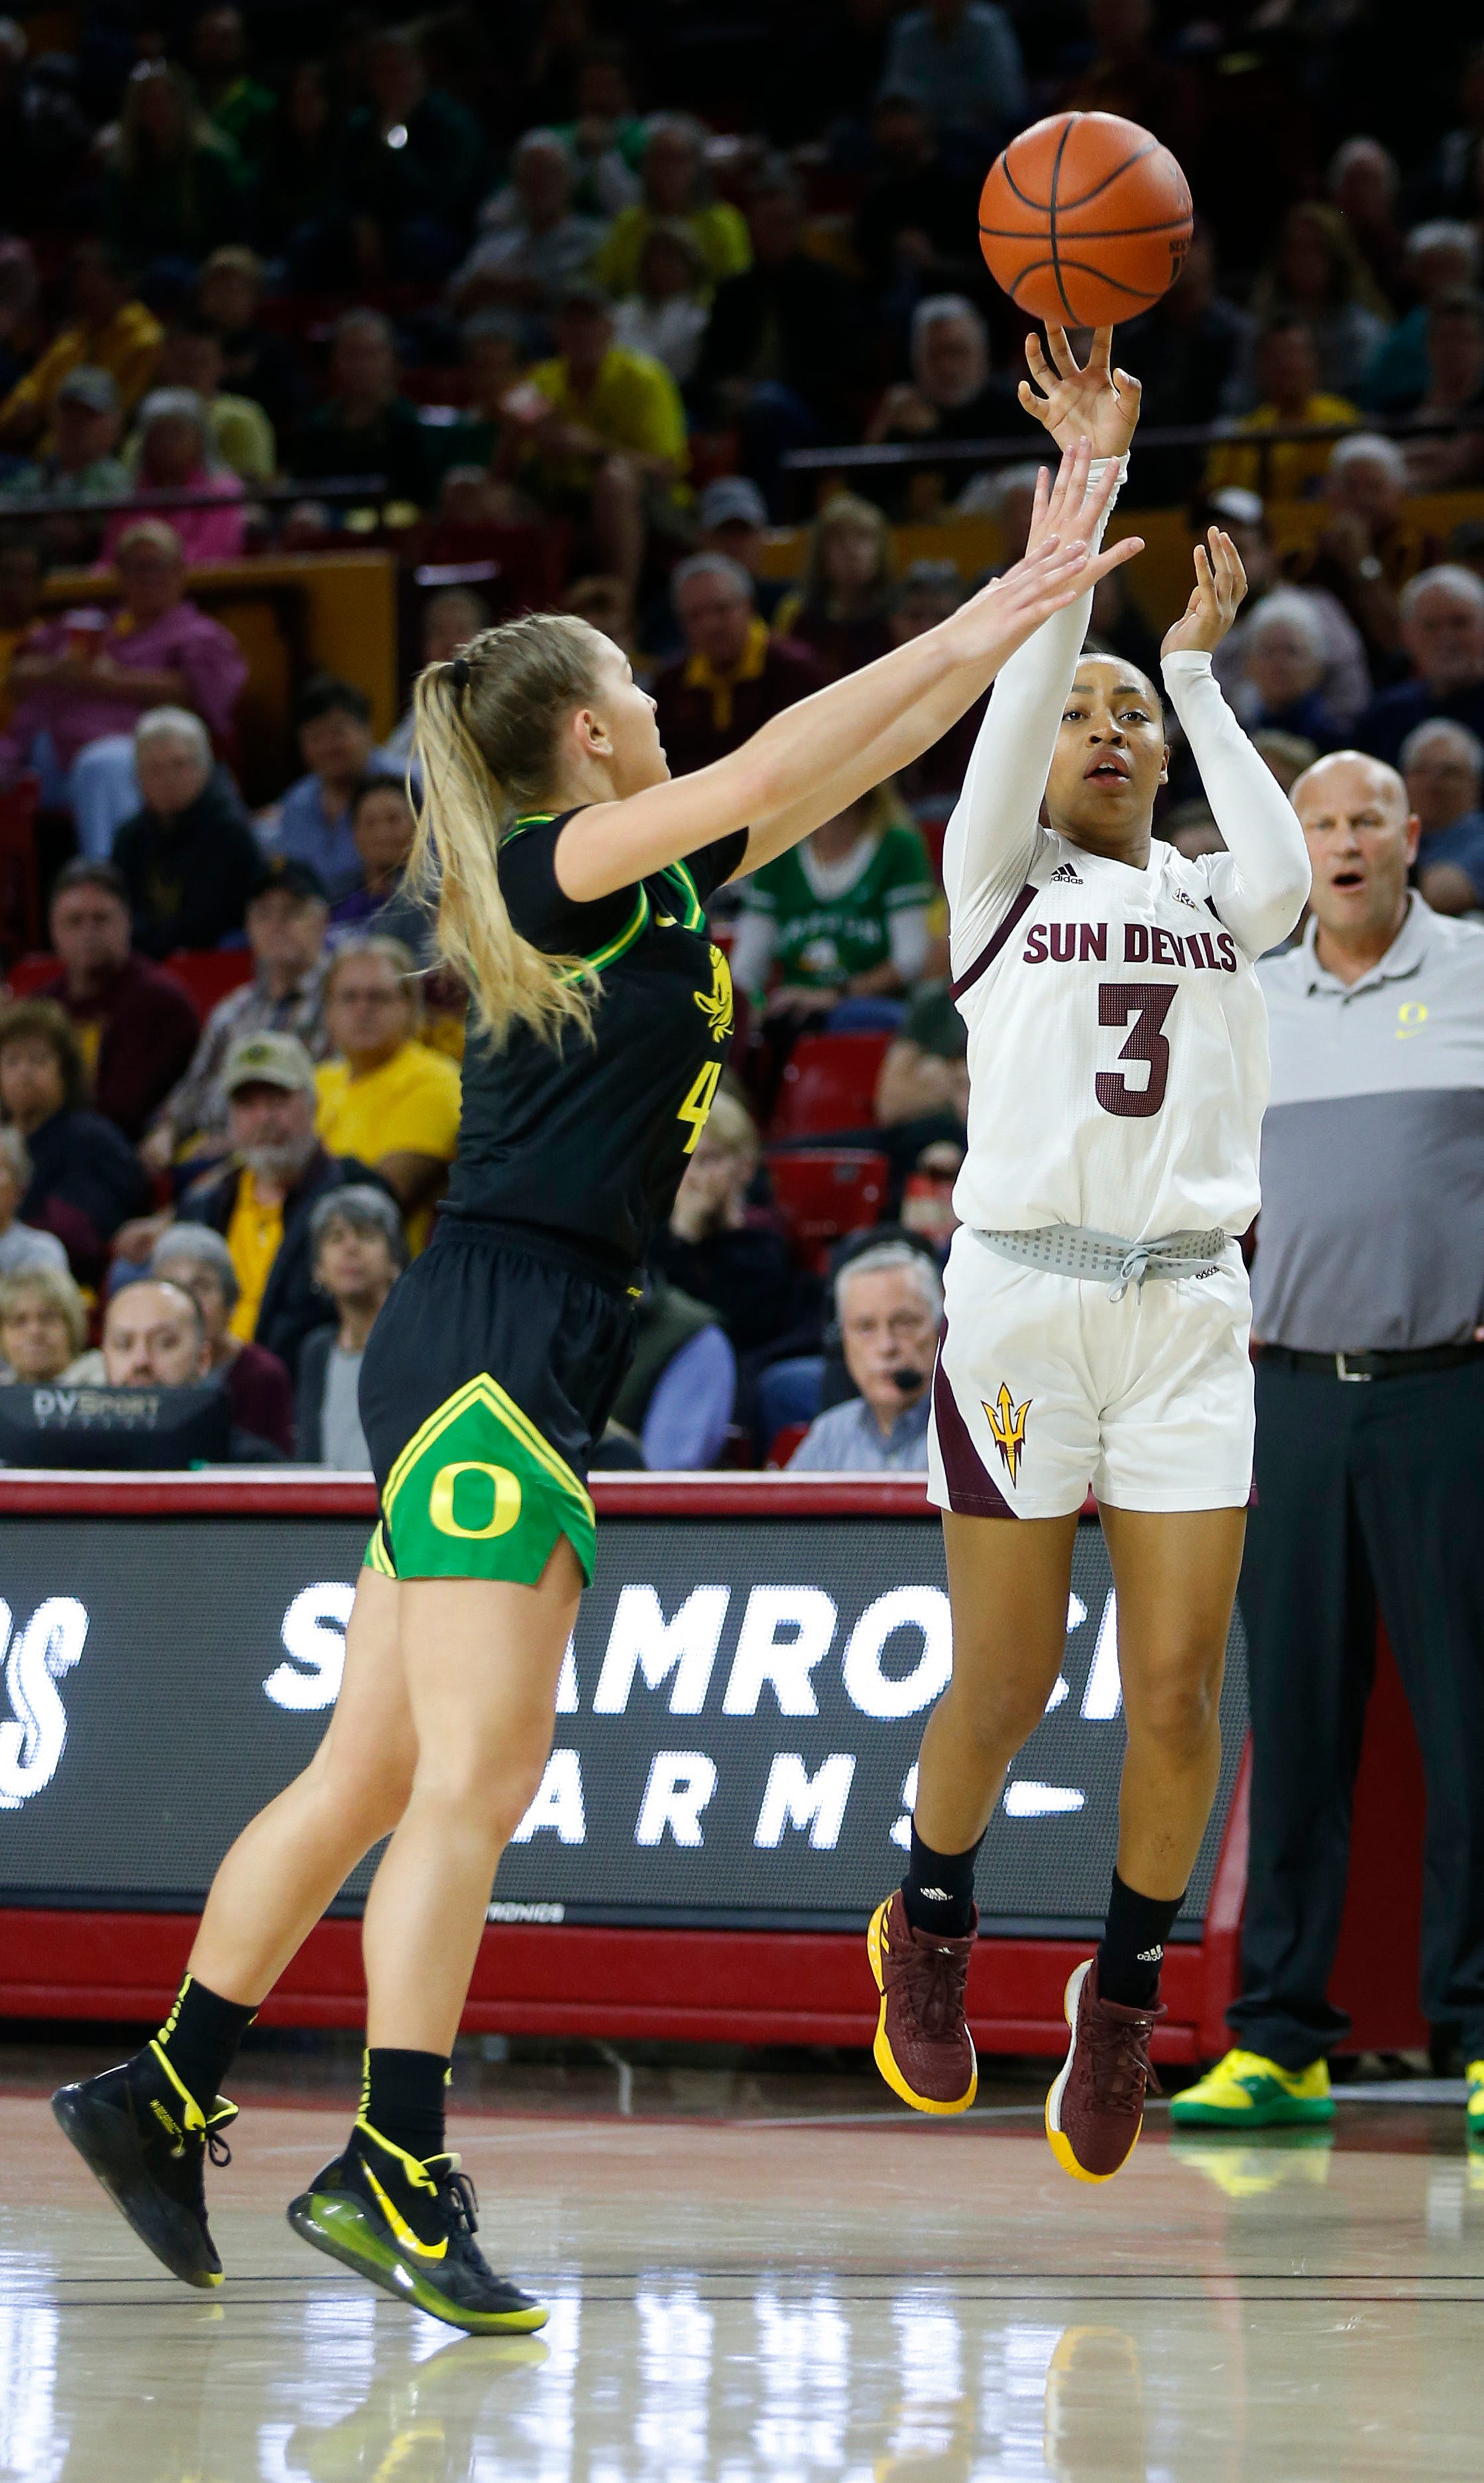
589 282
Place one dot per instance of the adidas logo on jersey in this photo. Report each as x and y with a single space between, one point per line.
1065 873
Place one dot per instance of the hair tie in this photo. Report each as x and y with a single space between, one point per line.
458 673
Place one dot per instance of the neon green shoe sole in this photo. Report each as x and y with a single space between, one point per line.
1473 2118
331 2221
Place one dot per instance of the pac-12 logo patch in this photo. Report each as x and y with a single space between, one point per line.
1007 1422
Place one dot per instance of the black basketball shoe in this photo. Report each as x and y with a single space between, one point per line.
410 2228
146 2139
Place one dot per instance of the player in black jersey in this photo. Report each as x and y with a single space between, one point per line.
573 877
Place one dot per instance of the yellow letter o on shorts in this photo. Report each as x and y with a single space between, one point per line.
505 1513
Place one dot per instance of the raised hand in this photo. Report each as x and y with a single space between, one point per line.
1054 572
1096 403
1221 582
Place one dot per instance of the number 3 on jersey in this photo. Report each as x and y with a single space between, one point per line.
698 1103
1149 1005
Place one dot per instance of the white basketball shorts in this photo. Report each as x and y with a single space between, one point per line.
1045 1387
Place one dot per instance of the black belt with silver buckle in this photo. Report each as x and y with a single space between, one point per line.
1374 1366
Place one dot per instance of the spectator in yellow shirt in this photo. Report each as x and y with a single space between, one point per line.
385 1098
1289 378
673 171
109 331
611 450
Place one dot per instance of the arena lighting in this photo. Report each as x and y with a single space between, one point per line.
396 135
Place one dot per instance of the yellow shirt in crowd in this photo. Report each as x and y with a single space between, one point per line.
1291 466
633 403
253 1237
409 1105
128 348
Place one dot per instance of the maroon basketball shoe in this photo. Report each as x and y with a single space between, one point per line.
1096 2109
923 2047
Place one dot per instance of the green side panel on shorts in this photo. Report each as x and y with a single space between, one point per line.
378 1554
478 1492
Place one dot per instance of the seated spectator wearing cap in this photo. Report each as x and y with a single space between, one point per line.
842 610
534 243
1442 633
611 448
174 449
136 1027
718 1250
43 1328
1288 391
197 1261
108 331
732 676
383 827
1346 684
256 362
85 1176
1282 670
888 1301
188 859
785 341
77 703
264 1196
336 743
285 920
82 463
843 918
366 425
673 170
22 1245
359 1250
192 358
667 317
732 518
1443 766
383 1097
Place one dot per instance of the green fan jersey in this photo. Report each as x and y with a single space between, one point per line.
821 941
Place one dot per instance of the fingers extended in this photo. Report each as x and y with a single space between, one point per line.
1062 354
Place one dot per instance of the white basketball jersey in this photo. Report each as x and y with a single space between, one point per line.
1117 1054
1117 1033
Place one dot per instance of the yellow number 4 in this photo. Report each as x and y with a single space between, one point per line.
698 1103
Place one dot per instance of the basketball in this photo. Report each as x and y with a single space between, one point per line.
1084 219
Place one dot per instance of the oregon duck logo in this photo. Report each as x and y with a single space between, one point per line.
1007 1422
715 1003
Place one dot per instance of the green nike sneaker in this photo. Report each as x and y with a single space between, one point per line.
1473 2115
1247 2092
146 2138
410 2228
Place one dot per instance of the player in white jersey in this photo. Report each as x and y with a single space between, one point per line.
1096 1303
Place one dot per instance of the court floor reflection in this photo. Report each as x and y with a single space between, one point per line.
764 2304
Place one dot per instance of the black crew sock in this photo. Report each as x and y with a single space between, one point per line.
199 2039
938 1891
1132 1950
403 2099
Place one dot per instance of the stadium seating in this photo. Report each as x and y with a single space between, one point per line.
829 1084
824 1191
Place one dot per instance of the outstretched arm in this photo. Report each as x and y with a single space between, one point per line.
823 741
992 834
1259 885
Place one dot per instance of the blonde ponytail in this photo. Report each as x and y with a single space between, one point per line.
484 736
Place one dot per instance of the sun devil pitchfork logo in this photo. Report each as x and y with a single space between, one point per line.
1007 1422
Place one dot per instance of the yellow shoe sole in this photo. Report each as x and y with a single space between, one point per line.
880 2050
1056 2139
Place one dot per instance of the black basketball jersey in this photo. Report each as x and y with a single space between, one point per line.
589 1140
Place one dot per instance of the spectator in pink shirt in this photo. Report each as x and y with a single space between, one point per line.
176 452
81 683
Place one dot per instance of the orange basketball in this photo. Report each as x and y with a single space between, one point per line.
1084 219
